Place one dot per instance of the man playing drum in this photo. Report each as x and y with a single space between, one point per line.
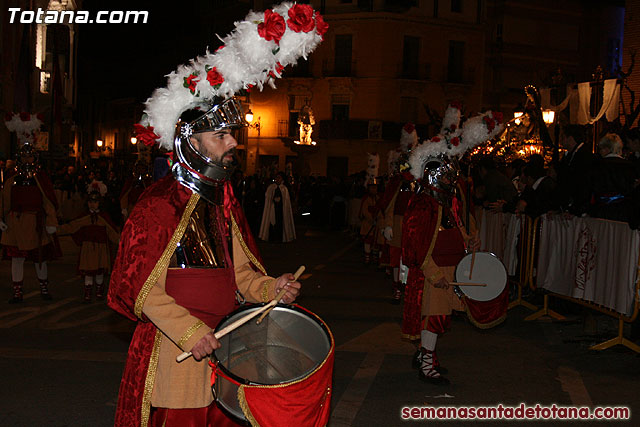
434 239
187 256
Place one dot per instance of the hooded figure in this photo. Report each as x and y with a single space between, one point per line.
277 217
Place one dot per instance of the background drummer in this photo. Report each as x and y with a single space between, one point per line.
434 241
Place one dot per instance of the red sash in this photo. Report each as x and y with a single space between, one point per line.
449 248
208 293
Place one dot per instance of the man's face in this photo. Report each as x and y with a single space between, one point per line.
219 146
93 205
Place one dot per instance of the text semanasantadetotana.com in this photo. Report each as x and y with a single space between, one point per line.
521 412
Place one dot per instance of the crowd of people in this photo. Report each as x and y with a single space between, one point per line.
581 183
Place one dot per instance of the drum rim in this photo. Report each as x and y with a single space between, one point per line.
294 307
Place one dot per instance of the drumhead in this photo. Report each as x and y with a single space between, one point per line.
287 345
488 269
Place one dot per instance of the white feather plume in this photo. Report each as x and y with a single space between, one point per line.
24 129
474 131
245 60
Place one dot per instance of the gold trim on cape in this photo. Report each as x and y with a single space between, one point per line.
165 258
189 333
484 325
242 400
245 248
150 380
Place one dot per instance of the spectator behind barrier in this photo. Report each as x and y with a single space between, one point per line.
612 179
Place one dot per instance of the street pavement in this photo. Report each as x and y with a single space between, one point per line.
61 361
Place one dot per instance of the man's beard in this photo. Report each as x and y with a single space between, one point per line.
231 162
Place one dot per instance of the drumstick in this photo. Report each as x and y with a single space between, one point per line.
467 284
281 294
473 260
224 331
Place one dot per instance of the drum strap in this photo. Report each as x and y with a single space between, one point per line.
215 372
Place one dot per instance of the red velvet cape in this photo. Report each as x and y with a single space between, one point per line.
144 238
392 187
419 226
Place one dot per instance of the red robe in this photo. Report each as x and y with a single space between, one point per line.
145 236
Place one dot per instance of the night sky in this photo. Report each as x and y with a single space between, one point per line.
131 60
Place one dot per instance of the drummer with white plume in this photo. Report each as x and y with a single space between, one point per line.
434 236
187 257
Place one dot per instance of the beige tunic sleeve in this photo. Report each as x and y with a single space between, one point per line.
254 286
177 385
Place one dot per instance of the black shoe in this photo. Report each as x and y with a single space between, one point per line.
15 300
46 297
436 380
397 295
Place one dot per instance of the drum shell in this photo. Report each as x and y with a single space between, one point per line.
314 340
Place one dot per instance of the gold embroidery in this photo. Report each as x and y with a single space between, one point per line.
484 325
252 258
242 400
148 382
163 262
192 330
265 290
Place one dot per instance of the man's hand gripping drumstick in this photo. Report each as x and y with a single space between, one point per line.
287 289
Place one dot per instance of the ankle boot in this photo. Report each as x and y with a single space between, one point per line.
88 290
17 293
44 290
100 291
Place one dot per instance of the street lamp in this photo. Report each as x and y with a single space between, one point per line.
99 143
548 116
134 140
249 118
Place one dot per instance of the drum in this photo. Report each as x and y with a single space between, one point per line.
291 347
488 269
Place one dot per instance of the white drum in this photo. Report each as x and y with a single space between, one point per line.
488 269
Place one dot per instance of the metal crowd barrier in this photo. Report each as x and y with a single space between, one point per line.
528 254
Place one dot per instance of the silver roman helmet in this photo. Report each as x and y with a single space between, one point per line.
441 176
192 168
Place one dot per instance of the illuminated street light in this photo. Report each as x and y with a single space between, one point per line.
134 140
99 143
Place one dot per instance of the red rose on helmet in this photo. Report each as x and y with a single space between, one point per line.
409 128
453 127
273 26
214 77
435 139
191 82
145 134
24 116
321 26
455 141
301 18
491 124
498 116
